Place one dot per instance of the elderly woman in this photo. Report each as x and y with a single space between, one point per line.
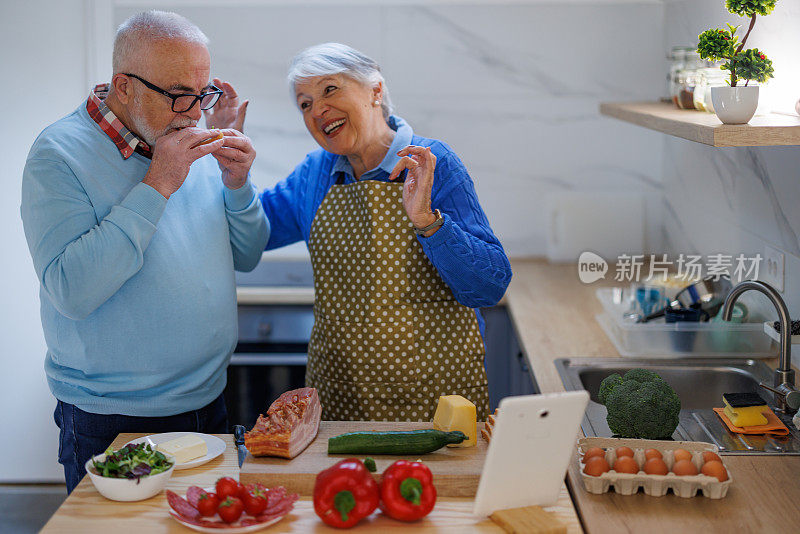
402 253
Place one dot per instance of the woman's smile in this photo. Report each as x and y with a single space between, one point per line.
331 128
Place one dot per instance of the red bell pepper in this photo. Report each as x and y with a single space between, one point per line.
407 491
345 493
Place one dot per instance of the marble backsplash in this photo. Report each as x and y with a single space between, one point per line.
514 88
736 200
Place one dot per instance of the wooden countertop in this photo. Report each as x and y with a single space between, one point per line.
85 511
553 314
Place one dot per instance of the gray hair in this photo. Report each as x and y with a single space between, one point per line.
335 58
151 25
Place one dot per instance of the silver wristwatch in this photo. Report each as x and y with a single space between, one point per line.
435 224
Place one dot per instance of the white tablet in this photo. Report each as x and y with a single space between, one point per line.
532 442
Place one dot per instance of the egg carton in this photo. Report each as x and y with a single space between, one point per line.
655 485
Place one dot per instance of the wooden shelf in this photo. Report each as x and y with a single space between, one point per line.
765 130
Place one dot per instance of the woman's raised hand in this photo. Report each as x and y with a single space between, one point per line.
420 163
227 113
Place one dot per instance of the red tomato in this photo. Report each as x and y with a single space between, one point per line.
227 487
255 501
207 505
230 509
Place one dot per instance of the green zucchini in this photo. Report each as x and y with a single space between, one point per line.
400 443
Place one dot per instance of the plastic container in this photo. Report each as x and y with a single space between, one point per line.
653 485
681 340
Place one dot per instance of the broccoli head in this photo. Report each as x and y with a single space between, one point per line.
607 386
640 405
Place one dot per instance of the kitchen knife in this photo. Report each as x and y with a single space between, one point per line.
238 440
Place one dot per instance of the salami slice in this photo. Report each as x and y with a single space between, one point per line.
278 504
182 506
193 494
203 522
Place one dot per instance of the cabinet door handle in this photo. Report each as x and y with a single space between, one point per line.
522 362
265 329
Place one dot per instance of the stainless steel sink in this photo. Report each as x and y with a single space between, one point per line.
700 384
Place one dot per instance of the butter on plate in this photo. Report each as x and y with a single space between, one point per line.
185 448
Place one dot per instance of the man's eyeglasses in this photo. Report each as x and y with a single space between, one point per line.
181 103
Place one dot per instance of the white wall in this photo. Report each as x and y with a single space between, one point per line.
42 63
736 200
512 87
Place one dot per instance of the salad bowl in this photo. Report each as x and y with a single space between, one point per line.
130 488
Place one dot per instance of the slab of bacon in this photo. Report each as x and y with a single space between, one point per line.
290 424
279 503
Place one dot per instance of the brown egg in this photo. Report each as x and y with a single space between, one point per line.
652 453
709 456
655 466
626 464
682 454
684 468
715 469
624 451
591 452
596 466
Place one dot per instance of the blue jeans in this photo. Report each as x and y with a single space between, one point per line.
85 434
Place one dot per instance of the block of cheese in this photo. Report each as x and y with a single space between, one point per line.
454 412
184 448
745 409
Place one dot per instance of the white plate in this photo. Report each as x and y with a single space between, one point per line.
228 530
214 445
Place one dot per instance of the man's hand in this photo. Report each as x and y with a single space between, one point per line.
173 154
235 158
227 113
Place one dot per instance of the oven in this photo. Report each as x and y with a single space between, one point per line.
271 353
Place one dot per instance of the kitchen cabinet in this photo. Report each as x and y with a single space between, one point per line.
506 365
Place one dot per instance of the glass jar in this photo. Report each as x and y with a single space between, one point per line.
677 57
710 77
686 79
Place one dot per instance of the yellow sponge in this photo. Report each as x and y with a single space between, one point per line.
745 409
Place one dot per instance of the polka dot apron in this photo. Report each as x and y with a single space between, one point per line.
389 337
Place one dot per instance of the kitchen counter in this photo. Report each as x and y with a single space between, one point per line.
553 314
85 511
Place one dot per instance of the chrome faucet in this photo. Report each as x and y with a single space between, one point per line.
787 397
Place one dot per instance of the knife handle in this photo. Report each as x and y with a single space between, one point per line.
238 435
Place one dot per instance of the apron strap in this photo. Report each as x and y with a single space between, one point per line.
340 177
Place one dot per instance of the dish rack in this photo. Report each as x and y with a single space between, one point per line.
681 339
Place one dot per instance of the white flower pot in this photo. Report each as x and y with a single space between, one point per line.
735 105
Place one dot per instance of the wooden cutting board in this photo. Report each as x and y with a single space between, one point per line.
456 471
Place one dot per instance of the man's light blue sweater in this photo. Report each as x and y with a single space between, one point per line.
138 300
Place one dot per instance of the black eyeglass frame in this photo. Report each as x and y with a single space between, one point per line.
197 98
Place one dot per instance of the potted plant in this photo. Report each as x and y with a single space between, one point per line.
735 103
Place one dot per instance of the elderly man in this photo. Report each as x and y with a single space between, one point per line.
135 234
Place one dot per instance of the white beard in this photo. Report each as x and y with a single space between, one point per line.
145 131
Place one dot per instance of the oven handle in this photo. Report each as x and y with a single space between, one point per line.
269 358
